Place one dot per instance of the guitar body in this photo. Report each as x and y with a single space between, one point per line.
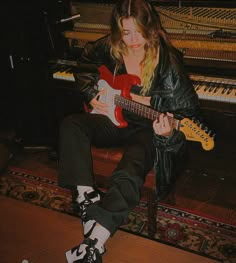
117 96
119 85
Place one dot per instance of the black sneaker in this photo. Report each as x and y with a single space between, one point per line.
86 252
88 225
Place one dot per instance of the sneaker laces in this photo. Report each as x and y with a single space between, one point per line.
93 254
85 252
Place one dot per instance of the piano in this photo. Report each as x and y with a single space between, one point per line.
205 31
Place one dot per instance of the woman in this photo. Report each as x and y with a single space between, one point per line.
136 46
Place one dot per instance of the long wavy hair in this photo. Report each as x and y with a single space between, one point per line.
148 23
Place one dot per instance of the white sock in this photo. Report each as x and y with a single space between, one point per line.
101 234
81 190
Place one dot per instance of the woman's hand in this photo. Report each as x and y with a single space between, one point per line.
162 125
99 106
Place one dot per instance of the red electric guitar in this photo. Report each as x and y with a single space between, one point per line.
118 97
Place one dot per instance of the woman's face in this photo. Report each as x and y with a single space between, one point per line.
131 36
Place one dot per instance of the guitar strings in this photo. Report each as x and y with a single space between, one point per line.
140 108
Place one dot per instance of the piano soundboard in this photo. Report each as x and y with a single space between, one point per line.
207 88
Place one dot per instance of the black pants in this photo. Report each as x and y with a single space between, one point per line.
77 134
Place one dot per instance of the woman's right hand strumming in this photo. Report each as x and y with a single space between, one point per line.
98 106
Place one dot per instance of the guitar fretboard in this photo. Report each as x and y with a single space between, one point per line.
141 110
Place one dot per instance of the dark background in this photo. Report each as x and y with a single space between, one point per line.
31 38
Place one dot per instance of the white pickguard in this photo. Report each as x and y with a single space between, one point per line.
108 98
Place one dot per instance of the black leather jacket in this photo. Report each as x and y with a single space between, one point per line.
171 91
171 88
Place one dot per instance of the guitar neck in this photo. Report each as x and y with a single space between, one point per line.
141 110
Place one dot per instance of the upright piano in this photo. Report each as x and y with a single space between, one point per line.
205 31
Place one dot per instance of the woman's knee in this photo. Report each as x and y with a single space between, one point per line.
129 187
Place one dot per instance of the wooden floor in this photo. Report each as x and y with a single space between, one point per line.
41 235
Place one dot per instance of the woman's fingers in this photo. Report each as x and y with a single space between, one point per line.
98 105
162 125
101 107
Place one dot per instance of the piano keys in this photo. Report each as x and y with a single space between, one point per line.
215 89
207 88
62 69
64 74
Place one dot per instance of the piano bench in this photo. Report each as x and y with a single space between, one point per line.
105 161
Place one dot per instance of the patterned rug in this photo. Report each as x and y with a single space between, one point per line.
182 229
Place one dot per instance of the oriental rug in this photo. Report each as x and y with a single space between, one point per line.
175 227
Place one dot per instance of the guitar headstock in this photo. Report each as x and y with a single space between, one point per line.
194 130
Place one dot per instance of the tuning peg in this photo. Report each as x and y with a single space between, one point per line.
196 121
201 125
211 133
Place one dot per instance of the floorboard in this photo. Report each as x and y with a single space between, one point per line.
41 235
